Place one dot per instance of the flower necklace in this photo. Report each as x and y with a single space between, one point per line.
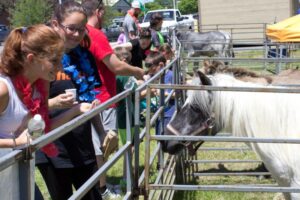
81 73
37 105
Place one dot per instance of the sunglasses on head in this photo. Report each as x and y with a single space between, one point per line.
100 2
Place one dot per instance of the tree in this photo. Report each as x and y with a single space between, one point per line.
29 12
5 5
109 15
159 4
188 6
153 6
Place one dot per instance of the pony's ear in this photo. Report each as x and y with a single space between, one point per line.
206 63
204 79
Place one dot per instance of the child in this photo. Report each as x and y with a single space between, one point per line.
124 55
155 61
167 51
122 37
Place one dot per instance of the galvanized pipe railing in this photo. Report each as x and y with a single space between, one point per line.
225 188
139 135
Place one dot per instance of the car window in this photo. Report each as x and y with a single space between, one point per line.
167 16
177 14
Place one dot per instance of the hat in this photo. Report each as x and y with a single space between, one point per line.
137 4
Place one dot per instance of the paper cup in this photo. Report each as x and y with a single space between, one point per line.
73 92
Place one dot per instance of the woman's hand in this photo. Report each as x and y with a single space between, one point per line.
95 103
24 138
61 101
84 107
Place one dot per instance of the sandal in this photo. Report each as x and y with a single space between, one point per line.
110 143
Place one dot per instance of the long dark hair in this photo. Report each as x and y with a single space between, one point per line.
155 19
66 8
62 11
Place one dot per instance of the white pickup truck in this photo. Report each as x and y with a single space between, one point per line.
172 18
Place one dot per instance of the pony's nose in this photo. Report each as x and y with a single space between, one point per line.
172 147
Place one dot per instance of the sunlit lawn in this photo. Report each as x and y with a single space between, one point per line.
226 180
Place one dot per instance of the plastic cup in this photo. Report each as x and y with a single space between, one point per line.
73 92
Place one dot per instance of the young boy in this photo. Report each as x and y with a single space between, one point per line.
154 62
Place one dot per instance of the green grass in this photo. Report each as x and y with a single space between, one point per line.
226 180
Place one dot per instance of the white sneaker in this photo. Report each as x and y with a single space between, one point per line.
109 195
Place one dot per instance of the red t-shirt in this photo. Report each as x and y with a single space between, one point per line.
100 48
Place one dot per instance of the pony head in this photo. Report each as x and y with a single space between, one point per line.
194 118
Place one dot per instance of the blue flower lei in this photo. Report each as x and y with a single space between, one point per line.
84 83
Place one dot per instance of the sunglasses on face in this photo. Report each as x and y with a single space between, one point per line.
148 65
72 29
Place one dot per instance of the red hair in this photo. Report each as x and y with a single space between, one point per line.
39 40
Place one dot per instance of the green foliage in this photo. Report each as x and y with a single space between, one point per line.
153 6
29 12
159 4
109 15
188 6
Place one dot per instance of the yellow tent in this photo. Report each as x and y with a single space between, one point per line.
287 30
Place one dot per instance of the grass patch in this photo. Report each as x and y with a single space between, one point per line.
226 180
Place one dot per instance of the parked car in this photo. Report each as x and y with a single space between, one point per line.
118 21
113 31
4 31
172 18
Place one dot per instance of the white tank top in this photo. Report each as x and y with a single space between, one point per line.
11 118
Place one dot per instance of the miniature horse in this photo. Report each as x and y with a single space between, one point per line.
244 114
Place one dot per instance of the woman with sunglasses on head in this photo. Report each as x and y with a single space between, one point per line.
75 162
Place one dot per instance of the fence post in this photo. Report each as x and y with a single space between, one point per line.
128 157
279 52
147 144
26 177
136 144
161 127
265 40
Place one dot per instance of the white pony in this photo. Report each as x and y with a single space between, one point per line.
245 114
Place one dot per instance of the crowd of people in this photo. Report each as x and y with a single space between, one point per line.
40 62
